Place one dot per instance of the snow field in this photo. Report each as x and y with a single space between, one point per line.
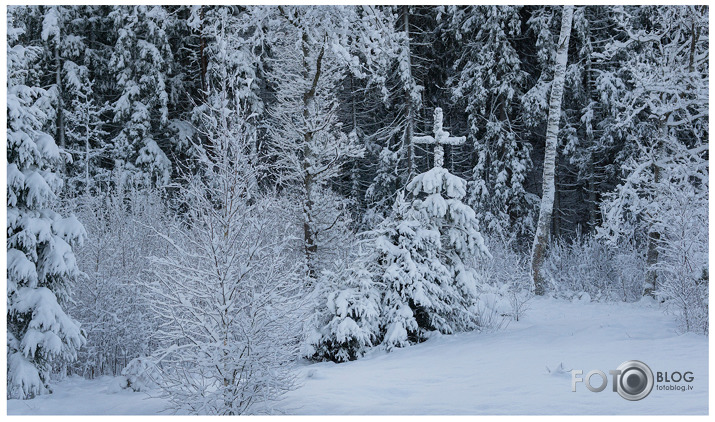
503 372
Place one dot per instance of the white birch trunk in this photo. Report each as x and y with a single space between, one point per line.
543 228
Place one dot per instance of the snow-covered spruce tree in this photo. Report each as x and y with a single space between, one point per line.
350 319
490 81
228 294
422 250
141 60
40 261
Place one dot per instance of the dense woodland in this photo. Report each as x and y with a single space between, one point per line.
198 196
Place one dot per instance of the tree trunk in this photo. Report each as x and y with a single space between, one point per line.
86 158
592 95
355 172
592 202
651 276
543 228
60 106
555 214
309 229
410 118
203 60
651 260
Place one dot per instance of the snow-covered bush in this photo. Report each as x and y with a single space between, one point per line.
349 323
141 374
629 261
589 265
683 249
108 300
231 307
505 281
493 309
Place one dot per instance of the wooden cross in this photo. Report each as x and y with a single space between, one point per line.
441 137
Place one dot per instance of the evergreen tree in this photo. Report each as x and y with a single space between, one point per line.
352 313
142 61
40 260
491 81
423 250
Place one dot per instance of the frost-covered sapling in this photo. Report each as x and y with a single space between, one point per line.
229 298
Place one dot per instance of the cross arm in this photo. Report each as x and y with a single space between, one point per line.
423 140
453 140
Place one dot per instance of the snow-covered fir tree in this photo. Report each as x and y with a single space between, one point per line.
423 248
141 59
491 81
350 320
40 262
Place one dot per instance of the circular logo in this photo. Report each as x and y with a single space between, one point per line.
635 381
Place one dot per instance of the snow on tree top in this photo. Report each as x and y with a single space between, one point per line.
438 180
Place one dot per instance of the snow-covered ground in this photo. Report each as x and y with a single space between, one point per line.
502 372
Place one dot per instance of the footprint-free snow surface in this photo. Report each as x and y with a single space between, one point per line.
502 372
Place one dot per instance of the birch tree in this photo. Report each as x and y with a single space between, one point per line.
543 229
226 289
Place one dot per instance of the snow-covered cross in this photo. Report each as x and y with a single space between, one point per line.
441 137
